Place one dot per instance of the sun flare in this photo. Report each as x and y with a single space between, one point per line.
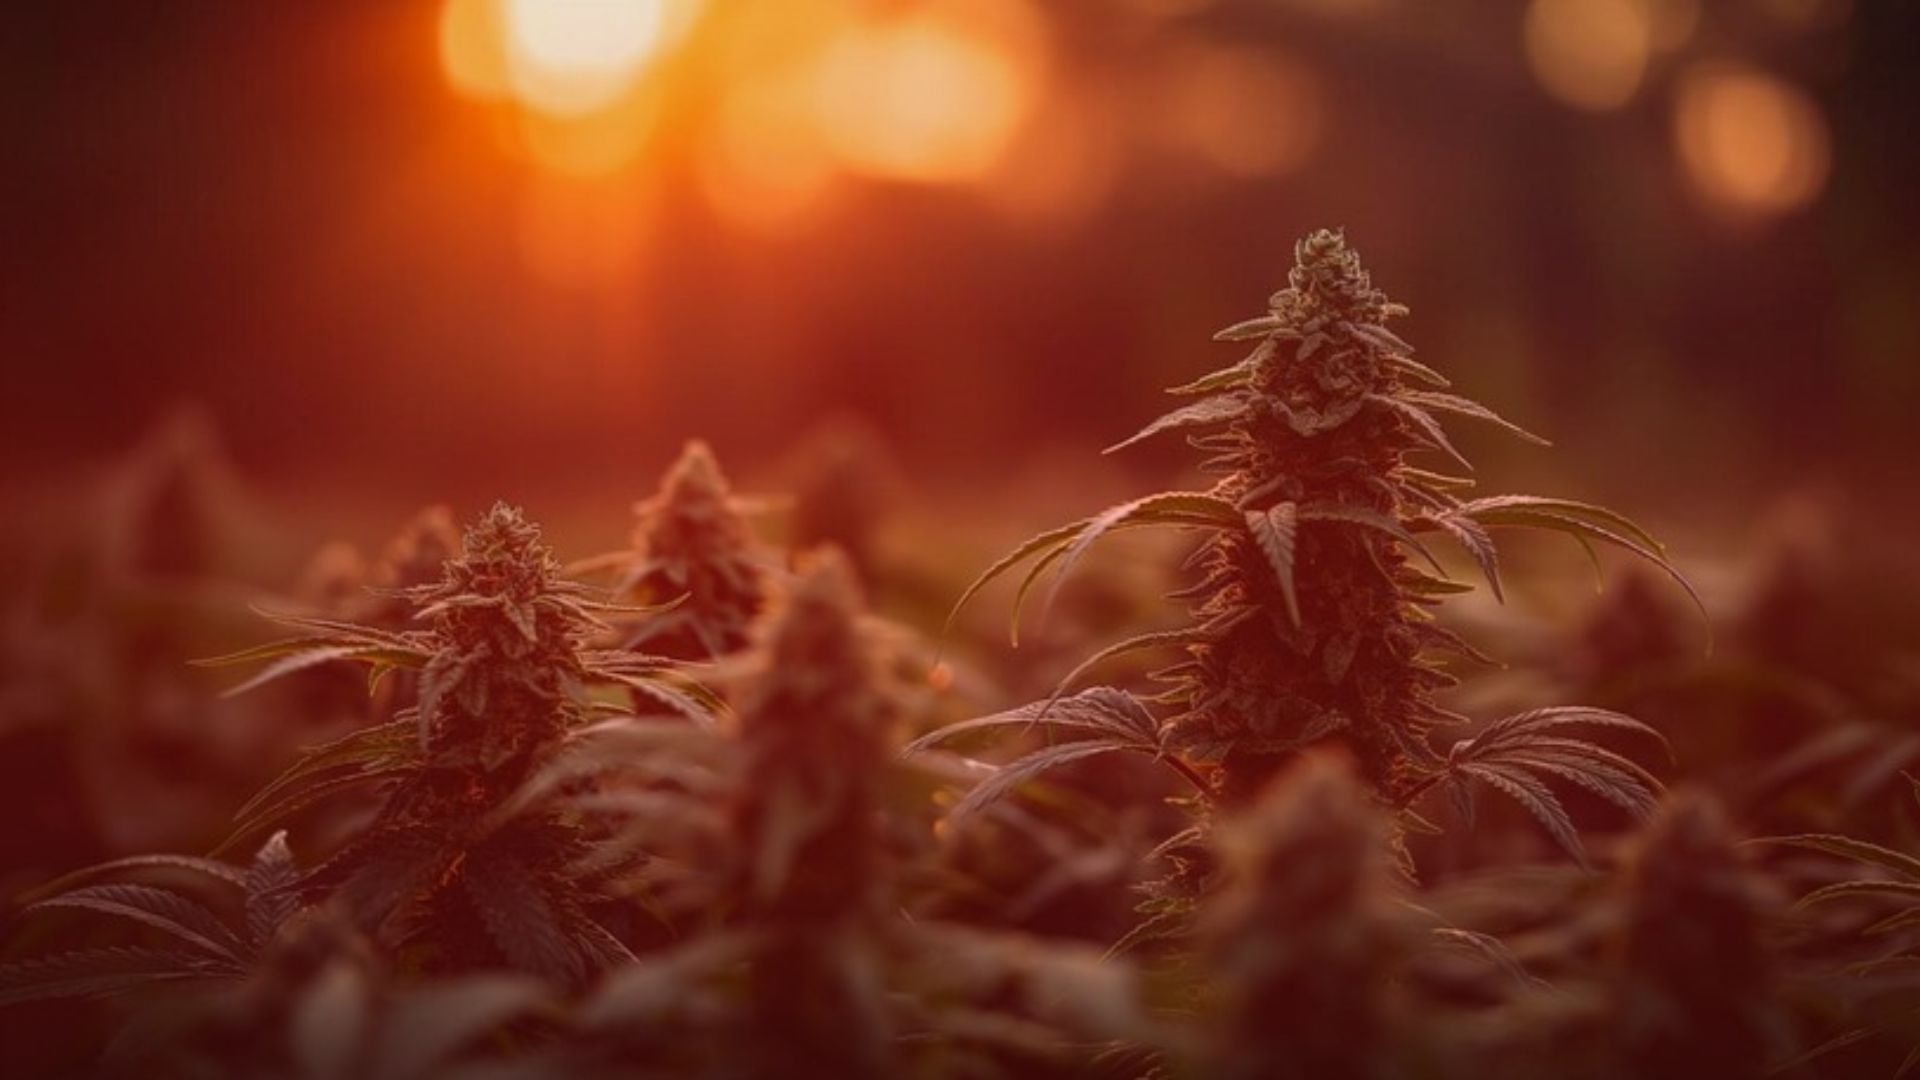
562 58
574 56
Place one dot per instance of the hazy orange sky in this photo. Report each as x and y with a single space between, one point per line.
439 246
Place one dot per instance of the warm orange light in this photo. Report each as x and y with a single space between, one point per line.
564 58
1247 113
1168 9
584 234
1751 143
1807 14
473 48
595 144
1591 54
1339 9
569 57
762 166
576 70
920 96
1672 22
1063 164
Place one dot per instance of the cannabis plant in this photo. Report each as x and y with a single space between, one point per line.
272 989
1880 992
816 729
415 557
196 942
173 510
108 731
1300 932
814 970
845 481
1311 622
691 548
1316 960
458 867
339 585
1694 991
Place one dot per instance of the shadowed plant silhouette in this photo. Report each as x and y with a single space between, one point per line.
1881 991
1312 958
690 544
245 981
816 732
196 941
415 557
845 482
339 585
1694 990
1311 625
1300 932
815 971
174 509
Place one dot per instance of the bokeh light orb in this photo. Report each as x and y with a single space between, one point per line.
1751 143
920 97
473 48
1590 54
1245 112
576 56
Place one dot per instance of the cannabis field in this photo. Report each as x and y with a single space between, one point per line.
949 541
692 808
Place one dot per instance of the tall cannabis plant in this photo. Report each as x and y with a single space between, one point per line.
459 866
691 548
814 971
1311 617
816 728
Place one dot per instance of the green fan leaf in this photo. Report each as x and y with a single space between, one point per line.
1159 639
1536 798
177 915
1372 519
1248 329
382 745
1424 425
1206 411
1454 403
1273 530
212 868
271 899
1477 543
1100 711
1175 508
1847 847
93 973
520 916
1847 890
1005 779
1582 521
1231 377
